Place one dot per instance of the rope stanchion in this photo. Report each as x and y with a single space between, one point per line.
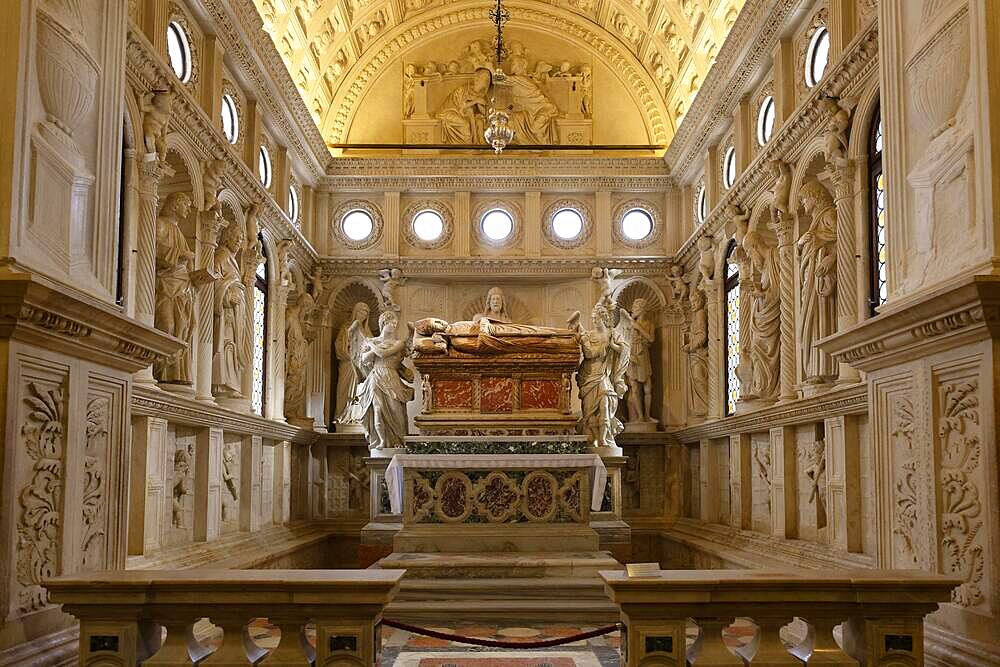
493 643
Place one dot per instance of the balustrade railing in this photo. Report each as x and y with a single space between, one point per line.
147 617
880 614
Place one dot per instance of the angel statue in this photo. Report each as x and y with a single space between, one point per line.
387 386
601 376
348 346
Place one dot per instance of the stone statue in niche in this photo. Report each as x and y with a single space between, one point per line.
297 323
781 190
174 305
181 485
706 258
463 114
359 478
348 346
230 481
233 332
640 368
818 266
601 376
679 287
632 481
697 348
387 385
156 109
765 314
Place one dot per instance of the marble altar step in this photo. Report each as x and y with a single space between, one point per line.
495 587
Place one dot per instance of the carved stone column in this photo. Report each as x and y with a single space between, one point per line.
673 363
716 401
744 370
209 223
783 229
847 259
150 173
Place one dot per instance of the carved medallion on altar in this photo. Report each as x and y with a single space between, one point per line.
490 377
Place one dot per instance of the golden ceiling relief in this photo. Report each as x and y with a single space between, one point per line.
335 50
448 102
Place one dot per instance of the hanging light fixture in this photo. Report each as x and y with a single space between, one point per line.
498 131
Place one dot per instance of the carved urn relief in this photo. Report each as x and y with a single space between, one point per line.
67 74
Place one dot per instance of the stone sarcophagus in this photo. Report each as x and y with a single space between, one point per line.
488 378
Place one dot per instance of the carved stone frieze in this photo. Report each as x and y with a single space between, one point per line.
907 526
95 498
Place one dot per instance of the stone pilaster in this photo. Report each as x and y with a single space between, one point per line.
786 267
741 481
716 399
847 258
784 511
147 490
251 453
150 173
843 483
208 484
710 487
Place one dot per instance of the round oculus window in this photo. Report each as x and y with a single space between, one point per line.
765 121
428 225
497 224
729 168
357 225
636 224
817 56
230 119
567 224
179 51
264 166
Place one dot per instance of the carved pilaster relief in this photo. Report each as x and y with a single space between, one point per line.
42 438
906 505
95 473
231 461
960 479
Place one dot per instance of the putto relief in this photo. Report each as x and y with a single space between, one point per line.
448 102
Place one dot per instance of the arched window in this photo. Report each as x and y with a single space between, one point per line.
732 288
878 284
259 334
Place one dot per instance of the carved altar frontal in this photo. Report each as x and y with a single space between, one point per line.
502 394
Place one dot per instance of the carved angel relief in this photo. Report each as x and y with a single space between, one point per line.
448 102
39 520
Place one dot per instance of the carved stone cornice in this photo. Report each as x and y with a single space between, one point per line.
36 311
852 399
146 71
962 312
858 64
439 267
152 402
498 174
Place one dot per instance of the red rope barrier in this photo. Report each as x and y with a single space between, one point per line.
492 643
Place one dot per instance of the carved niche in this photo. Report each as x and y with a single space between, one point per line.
448 102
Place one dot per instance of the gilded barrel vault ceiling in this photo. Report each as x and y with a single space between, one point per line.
353 60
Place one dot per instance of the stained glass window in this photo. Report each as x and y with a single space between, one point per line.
732 333
879 286
259 337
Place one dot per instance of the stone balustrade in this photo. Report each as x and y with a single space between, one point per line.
122 615
880 614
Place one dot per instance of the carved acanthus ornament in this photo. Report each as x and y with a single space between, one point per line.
906 503
962 520
39 526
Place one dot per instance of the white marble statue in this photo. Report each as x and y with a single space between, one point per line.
174 305
463 113
696 346
818 267
601 376
348 346
387 386
233 337
765 314
640 368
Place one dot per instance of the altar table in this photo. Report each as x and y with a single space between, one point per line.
521 462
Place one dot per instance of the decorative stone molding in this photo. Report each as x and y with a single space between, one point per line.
358 205
850 400
964 311
643 205
497 266
509 207
447 224
576 205
46 315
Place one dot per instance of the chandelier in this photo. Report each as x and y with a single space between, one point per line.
498 131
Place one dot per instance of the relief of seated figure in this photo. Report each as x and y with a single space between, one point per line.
489 333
